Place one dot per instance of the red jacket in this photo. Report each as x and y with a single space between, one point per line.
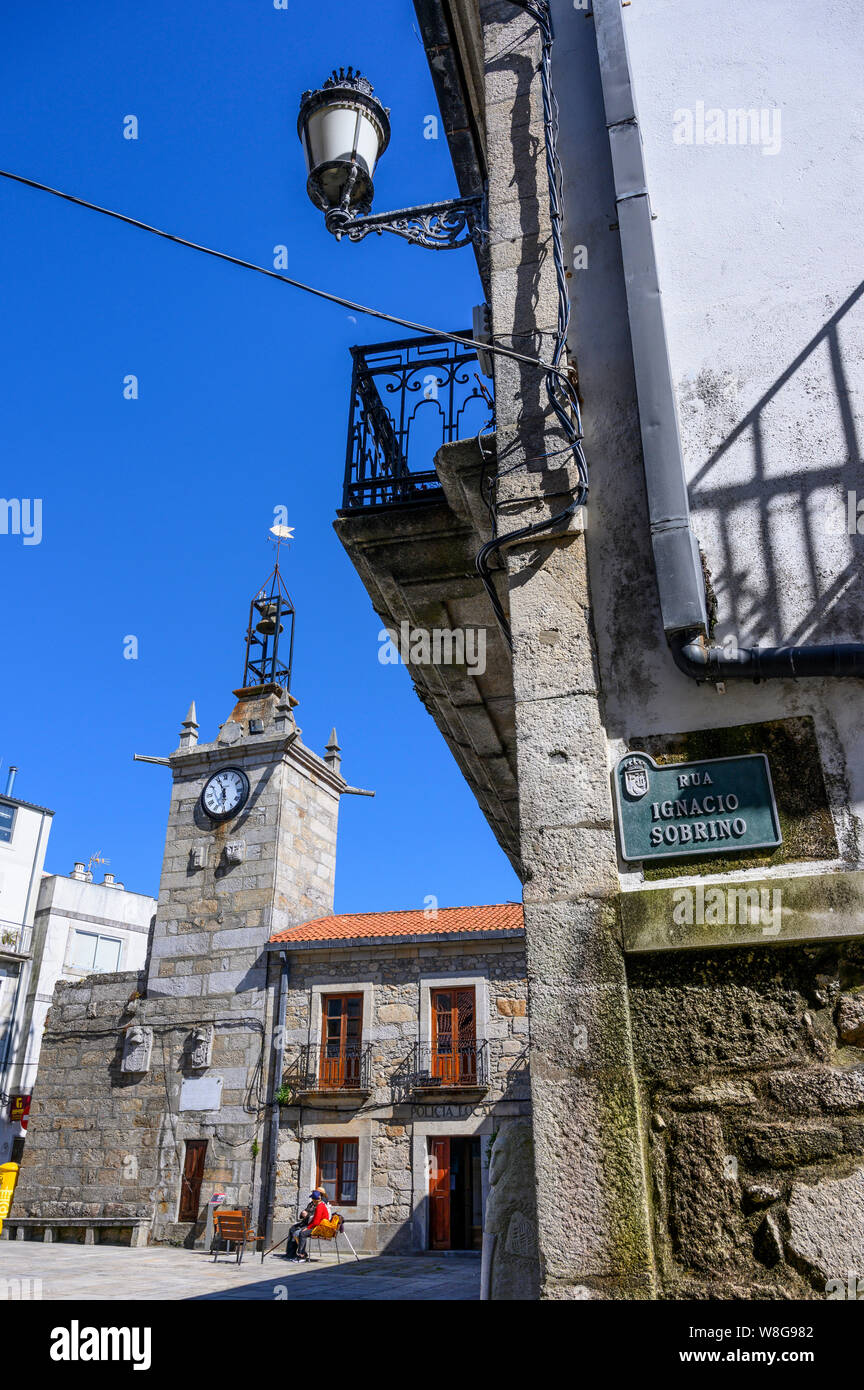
321 1213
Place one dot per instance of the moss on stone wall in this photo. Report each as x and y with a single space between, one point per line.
799 786
755 1100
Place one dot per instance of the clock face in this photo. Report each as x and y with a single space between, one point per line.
224 793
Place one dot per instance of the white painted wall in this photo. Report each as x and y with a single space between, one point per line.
21 861
757 257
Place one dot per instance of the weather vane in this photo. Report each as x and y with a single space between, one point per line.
280 533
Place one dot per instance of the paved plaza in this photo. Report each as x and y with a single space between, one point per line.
78 1272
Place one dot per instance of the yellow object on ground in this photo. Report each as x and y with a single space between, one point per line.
8 1179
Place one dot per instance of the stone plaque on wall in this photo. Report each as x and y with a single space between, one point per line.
201 1093
137 1047
200 1046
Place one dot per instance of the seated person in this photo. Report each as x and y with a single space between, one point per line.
306 1216
321 1213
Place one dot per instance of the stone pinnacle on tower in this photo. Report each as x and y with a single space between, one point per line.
189 732
333 753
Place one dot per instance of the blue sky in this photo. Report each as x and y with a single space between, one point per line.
155 511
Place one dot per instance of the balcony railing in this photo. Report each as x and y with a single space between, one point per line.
441 1067
14 939
327 1068
407 399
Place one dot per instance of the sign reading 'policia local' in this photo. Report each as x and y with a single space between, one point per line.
710 807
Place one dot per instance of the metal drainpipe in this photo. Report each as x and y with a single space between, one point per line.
275 1081
677 562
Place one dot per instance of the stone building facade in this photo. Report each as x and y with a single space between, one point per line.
695 1069
215 1074
148 1079
413 1110
696 1044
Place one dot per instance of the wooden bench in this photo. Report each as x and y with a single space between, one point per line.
235 1229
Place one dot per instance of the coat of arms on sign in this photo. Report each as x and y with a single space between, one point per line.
635 778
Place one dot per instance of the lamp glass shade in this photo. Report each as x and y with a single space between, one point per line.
344 131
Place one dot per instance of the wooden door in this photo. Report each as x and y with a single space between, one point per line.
439 1194
454 1036
193 1174
342 1022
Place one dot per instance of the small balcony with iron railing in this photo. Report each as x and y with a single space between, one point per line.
15 940
337 1072
419 481
407 400
441 1068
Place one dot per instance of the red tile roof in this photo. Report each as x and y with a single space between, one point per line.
352 926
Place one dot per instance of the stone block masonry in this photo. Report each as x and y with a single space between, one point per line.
102 1143
756 1103
588 1147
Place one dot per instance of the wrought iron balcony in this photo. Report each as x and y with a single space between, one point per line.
327 1069
407 399
437 1067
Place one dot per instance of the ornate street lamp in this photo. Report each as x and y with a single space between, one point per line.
344 130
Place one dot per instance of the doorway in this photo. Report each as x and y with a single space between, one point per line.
455 1193
193 1175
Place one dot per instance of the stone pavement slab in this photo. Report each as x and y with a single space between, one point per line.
33 1270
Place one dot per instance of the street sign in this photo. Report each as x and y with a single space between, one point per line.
19 1110
715 806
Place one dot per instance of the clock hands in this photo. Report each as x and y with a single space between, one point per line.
225 793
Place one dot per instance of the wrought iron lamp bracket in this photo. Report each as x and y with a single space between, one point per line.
439 226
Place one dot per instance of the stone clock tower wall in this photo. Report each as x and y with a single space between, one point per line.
139 1072
226 888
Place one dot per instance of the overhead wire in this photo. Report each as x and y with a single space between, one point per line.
331 298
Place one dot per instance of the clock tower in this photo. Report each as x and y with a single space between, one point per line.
251 841
250 850
174 1066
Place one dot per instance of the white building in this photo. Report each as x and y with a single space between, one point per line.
24 830
51 928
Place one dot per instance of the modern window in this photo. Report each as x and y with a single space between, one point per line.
94 953
454 1035
337 1170
7 822
341 1041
